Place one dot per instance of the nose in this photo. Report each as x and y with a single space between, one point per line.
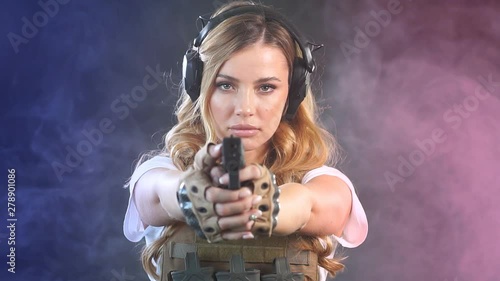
245 102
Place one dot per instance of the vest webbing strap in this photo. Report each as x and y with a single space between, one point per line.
258 253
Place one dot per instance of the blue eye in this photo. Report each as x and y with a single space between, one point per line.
224 86
267 88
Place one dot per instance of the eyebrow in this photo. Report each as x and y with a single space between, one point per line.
261 80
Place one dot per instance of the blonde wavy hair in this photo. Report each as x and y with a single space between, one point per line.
297 147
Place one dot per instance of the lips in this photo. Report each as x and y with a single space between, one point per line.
243 130
243 127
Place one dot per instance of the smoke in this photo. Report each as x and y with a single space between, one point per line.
410 89
61 86
417 118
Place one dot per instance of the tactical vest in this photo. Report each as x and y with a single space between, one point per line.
257 253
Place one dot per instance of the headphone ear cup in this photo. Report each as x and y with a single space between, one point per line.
192 71
298 87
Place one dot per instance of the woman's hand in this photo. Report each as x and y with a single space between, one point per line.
214 212
234 207
219 213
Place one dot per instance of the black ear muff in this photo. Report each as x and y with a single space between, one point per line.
298 87
192 70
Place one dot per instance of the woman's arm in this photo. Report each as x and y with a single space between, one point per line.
319 207
155 197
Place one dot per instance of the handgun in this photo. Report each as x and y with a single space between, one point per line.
233 159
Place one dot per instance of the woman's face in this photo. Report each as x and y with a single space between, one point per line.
250 93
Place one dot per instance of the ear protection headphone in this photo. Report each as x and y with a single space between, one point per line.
192 67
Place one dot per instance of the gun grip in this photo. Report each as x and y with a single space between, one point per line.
233 160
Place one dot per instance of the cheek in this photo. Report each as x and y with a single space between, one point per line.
218 111
276 107
273 113
216 107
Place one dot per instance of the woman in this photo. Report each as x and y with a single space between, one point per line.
246 76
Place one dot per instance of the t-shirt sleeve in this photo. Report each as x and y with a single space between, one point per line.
133 228
356 229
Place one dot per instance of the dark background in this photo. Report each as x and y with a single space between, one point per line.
420 74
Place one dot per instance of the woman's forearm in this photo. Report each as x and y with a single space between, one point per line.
295 208
320 207
156 199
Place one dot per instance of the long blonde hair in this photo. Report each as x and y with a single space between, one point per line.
298 146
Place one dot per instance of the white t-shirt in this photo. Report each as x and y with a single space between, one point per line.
354 234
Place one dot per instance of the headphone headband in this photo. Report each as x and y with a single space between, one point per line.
268 14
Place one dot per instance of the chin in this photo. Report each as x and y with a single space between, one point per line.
248 144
